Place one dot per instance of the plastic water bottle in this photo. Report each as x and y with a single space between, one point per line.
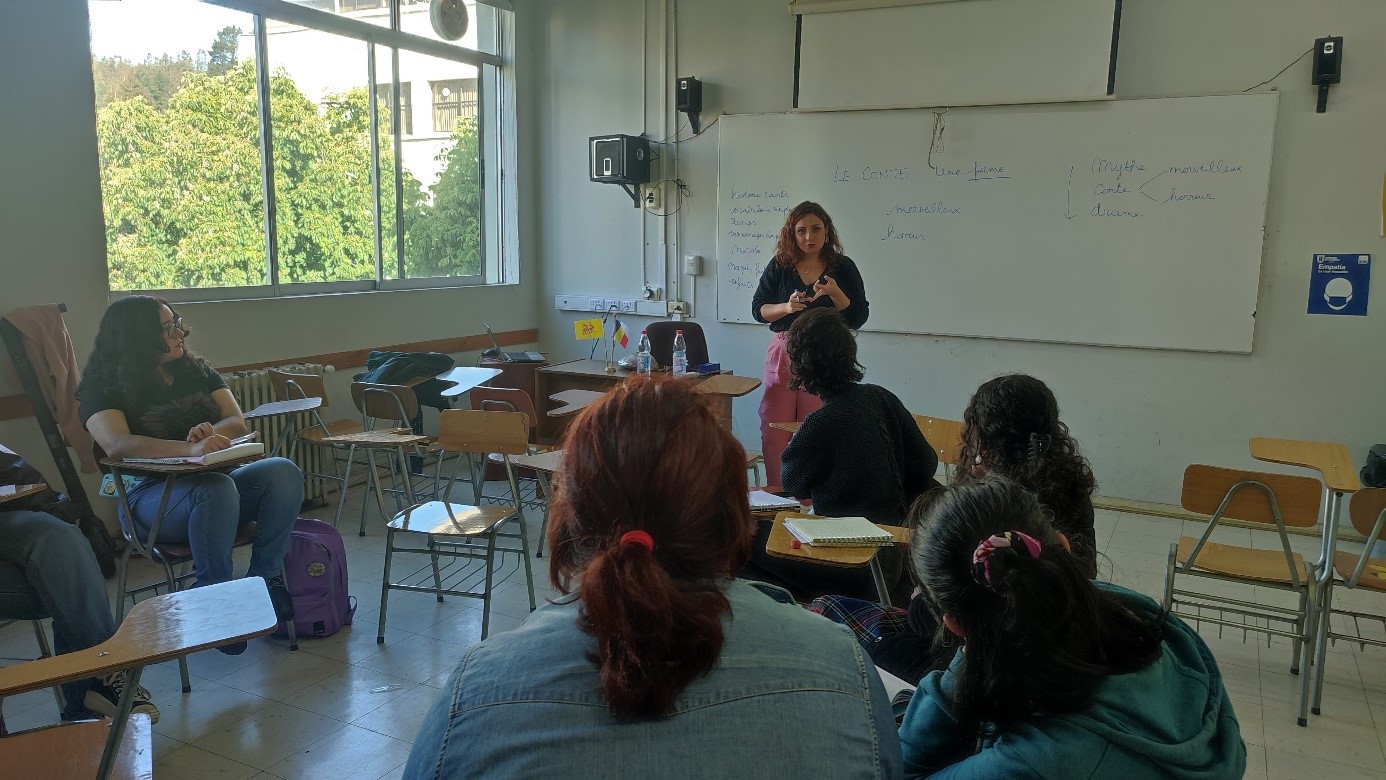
680 354
644 362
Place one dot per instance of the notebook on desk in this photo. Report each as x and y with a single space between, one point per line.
838 532
512 357
234 452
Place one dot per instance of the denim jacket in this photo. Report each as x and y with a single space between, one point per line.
792 696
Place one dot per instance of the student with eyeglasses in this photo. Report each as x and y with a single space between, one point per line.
144 394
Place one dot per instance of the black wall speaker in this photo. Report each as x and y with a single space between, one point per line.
619 159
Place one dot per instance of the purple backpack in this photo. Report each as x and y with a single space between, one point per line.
316 572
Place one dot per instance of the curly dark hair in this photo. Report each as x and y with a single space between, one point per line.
129 348
1013 423
787 252
1040 636
822 352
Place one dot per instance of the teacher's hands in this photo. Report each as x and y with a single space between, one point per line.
826 285
797 302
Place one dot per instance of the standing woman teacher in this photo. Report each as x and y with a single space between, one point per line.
808 270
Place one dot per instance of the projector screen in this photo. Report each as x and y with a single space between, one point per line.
971 52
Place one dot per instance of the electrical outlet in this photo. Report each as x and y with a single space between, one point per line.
596 304
680 307
651 196
627 307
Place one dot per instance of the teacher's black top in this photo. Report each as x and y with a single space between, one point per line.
777 284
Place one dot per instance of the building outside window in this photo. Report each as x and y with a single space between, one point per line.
204 200
452 100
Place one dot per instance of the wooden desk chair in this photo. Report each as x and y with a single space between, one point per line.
780 545
176 559
1276 500
396 405
506 399
455 530
945 436
289 386
157 629
1368 513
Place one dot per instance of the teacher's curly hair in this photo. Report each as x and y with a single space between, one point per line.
787 252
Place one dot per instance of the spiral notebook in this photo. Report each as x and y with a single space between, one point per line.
838 532
234 452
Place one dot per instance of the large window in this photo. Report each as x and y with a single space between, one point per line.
251 156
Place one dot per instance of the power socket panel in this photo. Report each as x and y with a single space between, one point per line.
649 195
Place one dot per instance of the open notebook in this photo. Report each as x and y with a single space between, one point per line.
234 452
838 532
761 500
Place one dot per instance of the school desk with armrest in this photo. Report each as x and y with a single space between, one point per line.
157 629
781 545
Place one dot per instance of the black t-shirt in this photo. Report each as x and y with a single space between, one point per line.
860 454
168 412
777 284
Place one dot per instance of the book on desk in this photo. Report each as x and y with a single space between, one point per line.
838 532
234 452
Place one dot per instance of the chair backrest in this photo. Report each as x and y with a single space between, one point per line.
506 399
661 335
384 402
945 436
465 430
1205 488
1366 509
290 386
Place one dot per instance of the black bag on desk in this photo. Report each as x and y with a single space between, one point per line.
1374 473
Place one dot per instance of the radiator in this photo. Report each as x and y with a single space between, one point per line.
252 388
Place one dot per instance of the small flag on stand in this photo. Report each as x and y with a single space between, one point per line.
620 335
587 329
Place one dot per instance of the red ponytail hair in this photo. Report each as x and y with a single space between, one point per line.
650 456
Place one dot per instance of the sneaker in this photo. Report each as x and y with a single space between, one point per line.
280 598
103 697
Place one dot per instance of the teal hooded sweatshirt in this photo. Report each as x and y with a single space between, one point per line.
1170 720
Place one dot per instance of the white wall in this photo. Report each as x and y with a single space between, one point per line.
1140 415
54 247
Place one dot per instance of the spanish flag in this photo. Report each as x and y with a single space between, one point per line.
620 334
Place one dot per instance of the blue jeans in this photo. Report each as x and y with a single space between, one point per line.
47 568
204 511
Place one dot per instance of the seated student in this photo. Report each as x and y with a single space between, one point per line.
860 454
657 662
47 561
1011 427
1056 675
144 394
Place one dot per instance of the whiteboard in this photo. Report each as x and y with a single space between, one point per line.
1134 223
959 53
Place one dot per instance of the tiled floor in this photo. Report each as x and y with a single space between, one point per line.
345 706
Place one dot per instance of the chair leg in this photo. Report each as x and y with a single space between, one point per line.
524 553
385 584
1321 617
486 595
289 624
346 480
1167 603
437 574
120 583
548 503
46 651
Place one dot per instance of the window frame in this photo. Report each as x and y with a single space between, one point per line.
500 251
